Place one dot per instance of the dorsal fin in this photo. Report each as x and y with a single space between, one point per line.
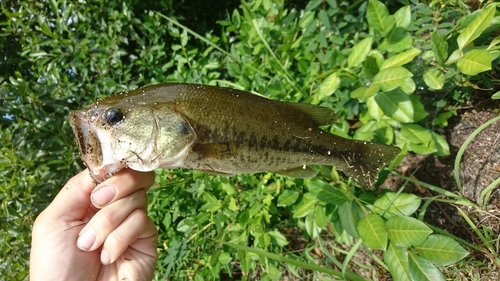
321 115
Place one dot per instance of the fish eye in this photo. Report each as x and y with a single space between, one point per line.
114 115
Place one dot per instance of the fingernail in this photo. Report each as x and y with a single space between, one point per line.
103 195
105 258
86 239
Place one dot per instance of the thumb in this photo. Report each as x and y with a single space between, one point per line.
73 200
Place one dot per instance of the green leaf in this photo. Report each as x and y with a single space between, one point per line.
305 206
359 94
442 146
327 193
493 43
328 86
392 204
439 47
359 52
408 86
225 258
213 204
496 95
474 62
416 134
423 270
378 17
397 105
476 27
38 54
350 215
441 250
400 59
374 109
396 259
391 78
434 79
288 198
372 230
403 17
278 237
407 231
311 226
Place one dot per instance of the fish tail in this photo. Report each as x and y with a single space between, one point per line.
366 159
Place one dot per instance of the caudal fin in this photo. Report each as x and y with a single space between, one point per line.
367 159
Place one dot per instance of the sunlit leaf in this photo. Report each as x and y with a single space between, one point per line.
278 237
305 206
434 79
476 27
378 17
287 198
391 78
359 52
400 59
397 105
474 62
392 204
407 231
403 17
328 86
372 230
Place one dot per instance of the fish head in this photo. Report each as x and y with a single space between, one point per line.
114 135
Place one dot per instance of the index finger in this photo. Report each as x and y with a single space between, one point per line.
121 185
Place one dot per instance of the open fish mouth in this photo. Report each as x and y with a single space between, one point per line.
88 144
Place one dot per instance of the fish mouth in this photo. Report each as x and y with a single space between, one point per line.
88 143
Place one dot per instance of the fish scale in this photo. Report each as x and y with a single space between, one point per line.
218 130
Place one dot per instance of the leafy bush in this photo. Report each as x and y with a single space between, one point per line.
393 77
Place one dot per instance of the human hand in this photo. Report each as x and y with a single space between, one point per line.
75 240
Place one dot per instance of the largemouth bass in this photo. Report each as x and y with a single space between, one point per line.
217 130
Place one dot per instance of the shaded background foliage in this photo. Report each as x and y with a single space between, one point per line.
56 56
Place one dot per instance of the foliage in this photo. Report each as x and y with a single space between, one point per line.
393 77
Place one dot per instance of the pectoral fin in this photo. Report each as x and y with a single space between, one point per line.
299 172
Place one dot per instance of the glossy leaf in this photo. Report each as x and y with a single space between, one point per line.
287 198
408 86
328 193
474 62
391 78
278 237
397 105
305 206
403 17
442 146
359 52
374 109
392 204
441 250
423 270
476 27
416 134
407 231
493 43
328 86
400 59
434 79
396 259
372 230
378 17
